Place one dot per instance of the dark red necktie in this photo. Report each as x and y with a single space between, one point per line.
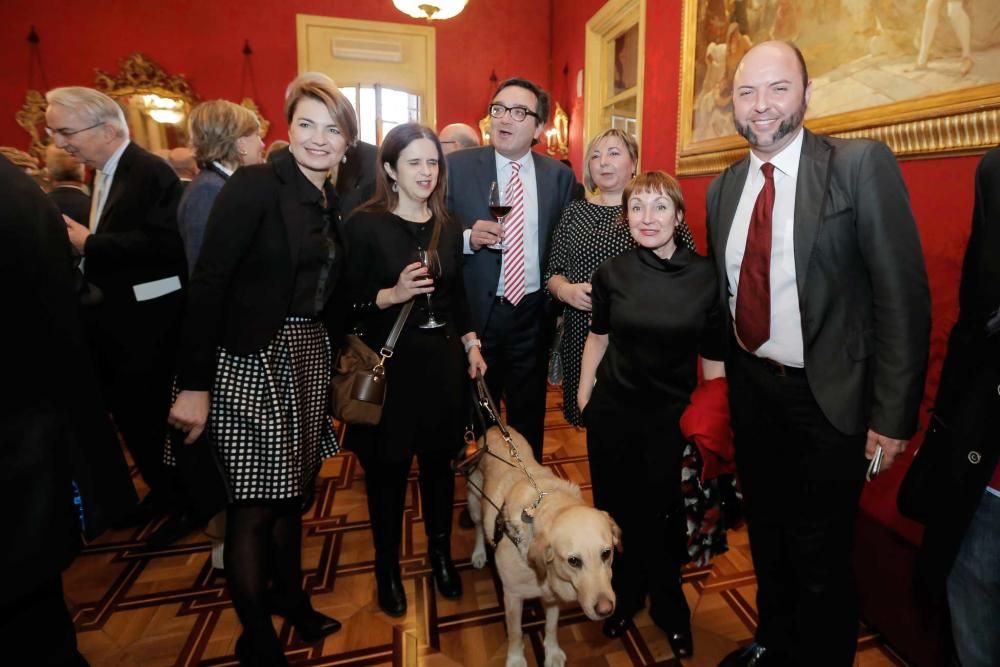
753 298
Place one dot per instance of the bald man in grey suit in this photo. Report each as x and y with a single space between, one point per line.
827 353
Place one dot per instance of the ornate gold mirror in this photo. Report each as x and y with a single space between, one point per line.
156 105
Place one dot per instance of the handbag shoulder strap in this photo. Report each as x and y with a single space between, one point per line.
397 329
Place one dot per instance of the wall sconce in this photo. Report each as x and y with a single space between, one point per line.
557 137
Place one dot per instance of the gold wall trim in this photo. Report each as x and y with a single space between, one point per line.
960 134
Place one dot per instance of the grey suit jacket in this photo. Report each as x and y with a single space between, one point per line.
863 295
470 173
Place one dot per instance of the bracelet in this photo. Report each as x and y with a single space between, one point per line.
469 344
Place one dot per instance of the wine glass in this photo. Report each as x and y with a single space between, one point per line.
429 260
499 208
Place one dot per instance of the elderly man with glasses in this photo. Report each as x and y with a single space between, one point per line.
504 286
133 253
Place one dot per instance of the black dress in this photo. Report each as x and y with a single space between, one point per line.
659 315
426 375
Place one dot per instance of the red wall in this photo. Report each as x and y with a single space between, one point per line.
204 39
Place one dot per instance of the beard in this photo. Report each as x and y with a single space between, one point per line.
785 127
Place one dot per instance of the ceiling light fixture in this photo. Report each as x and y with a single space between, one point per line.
432 10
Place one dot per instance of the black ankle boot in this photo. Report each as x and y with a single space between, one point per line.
391 594
260 651
447 578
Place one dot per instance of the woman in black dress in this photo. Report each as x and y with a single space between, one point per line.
590 231
254 337
422 413
654 312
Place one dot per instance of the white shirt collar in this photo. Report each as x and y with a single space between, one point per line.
223 168
525 161
787 161
112 164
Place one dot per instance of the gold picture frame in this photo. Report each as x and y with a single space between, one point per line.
138 75
963 120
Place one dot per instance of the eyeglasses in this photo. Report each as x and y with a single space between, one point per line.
65 134
517 113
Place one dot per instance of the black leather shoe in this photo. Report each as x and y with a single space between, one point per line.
447 578
753 655
391 594
176 527
680 643
616 626
260 653
311 625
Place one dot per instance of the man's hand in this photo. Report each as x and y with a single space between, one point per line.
485 233
77 234
576 295
891 448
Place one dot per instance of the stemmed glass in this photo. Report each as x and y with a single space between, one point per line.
430 261
499 208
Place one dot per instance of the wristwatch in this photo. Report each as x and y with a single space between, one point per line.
469 344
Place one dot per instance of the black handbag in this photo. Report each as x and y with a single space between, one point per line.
202 473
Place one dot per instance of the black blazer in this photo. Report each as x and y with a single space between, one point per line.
863 294
470 173
137 242
356 177
73 202
242 284
968 399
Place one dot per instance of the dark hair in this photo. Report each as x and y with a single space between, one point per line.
538 91
395 142
655 181
802 63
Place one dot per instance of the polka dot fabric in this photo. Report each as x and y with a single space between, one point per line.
268 418
587 234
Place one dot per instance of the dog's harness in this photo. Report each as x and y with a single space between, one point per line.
485 406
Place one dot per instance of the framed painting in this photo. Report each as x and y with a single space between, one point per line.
921 75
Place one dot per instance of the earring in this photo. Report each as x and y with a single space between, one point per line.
243 152
343 160
395 187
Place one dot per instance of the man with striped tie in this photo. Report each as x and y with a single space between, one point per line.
503 280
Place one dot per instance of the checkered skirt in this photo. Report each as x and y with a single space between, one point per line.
268 418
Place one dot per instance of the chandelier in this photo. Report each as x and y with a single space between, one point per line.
431 9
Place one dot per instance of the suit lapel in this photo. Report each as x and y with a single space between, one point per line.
487 175
811 190
730 190
118 186
544 189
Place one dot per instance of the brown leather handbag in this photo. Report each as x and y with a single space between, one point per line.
358 386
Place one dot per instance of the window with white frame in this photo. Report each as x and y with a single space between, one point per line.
380 109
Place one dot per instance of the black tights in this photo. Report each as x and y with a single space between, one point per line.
264 542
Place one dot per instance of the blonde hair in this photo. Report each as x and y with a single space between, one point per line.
320 87
627 140
215 126
93 106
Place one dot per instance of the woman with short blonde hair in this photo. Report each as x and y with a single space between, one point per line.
224 137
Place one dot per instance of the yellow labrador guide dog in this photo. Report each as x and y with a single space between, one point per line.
551 546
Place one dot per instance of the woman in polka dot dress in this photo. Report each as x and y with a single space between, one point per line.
589 232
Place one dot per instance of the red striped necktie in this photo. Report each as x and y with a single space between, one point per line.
513 238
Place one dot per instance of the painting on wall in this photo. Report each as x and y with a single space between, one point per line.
922 75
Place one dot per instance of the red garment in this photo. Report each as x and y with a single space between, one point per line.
705 422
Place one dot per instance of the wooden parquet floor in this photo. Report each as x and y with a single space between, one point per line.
171 607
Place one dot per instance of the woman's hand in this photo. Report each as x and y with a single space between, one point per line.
189 413
582 398
476 362
576 295
413 280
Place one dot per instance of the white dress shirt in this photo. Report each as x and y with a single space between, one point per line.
785 343
529 184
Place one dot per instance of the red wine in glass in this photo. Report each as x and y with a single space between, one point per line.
499 208
432 262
